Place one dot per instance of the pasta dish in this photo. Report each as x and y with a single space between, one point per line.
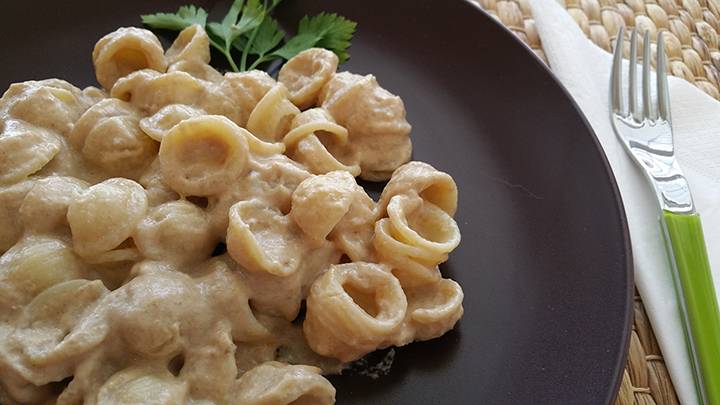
183 236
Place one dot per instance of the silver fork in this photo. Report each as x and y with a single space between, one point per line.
646 132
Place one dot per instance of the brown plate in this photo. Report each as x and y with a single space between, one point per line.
545 260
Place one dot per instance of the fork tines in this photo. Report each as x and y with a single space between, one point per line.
618 105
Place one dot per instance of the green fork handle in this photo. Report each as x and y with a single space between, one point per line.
696 293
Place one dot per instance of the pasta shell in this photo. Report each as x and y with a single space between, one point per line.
305 142
354 233
118 146
312 152
320 202
157 125
25 150
418 178
52 108
44 208
134 386
104 109
150 92
310 121
423 224
245 90
353 309
109 136
51 340
410 264
33 265
124 51
261 239
271 117
388 240
375 120
433 310
197 69
201 156
282 384
154 310
177 231
105 215
306 73
192 44
54 331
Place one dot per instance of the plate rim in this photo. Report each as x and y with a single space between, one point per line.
619 205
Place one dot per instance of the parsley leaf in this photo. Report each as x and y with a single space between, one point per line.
231 28
183 18
226 33
324 30
249 29
267 37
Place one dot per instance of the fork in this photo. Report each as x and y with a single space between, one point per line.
646 132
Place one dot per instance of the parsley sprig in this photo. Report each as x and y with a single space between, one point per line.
249 32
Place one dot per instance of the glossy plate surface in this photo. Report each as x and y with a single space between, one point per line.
544 259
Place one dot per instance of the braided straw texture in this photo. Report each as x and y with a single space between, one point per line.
691 43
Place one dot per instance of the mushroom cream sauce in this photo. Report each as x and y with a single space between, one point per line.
114 201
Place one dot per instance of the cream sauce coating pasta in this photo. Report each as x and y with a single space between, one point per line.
159 238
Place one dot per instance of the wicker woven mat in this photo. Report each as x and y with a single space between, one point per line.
691 42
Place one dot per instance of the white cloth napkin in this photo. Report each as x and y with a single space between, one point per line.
584 70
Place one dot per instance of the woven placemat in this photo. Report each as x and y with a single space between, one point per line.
691 43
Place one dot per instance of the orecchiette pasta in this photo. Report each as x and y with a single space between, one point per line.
106 214
274 383
203 155
411 264
353 309
305 74
353 234
375 120
197 69
159 239
246 89
434 309
47 347
158 124
320 202
150 91
305 142
45 206
418 178
177 231
125 51
25 150
109 136
137 385
192 44
32 265
423 224
271 117
53 105
262 239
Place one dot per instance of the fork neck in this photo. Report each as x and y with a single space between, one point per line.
673 193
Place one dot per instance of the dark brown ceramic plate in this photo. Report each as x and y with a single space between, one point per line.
544 261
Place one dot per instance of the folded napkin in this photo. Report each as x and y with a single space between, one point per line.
584 70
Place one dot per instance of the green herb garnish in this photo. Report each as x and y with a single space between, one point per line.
250 35
185 17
